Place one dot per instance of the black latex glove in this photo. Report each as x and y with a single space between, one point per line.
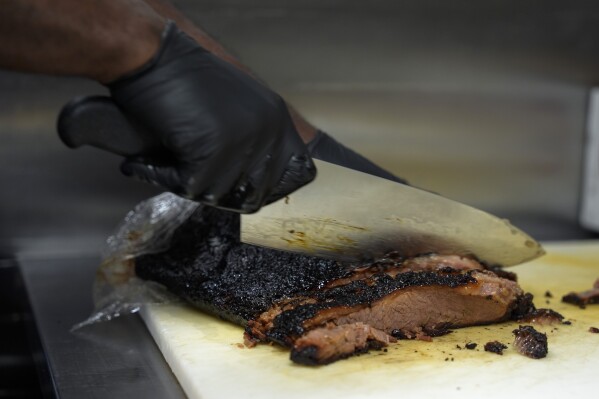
325 148
232 140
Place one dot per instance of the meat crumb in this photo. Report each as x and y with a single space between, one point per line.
594 330
495 347
529 342
542 316
548 294
567 322
583 298
458 347
248 341
424 337
471 345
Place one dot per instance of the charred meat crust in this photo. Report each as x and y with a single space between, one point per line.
209 267
523 306
529 342
501 272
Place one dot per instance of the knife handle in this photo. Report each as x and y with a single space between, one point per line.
98 122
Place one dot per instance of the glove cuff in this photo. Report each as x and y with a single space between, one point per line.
313 144
167 34
327 149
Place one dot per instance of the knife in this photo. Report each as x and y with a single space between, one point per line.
343 214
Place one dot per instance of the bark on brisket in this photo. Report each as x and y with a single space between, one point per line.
208 266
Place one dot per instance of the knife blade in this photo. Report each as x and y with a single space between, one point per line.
343 214
352 216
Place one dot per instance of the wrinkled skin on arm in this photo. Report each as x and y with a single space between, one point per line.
100 40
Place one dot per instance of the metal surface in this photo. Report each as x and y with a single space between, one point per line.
110 360
350 215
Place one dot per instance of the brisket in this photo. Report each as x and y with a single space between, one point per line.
321 309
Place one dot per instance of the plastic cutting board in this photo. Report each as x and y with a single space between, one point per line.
208 358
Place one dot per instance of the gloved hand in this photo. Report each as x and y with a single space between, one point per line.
232 139
325 148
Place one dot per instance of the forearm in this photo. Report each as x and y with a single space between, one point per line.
167 10
101 39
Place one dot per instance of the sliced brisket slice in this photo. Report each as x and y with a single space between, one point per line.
321 309
411 305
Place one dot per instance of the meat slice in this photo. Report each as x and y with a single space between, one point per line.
321 309
411 305
330 343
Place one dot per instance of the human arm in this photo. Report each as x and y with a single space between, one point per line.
100 40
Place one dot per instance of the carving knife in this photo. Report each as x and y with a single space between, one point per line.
343 214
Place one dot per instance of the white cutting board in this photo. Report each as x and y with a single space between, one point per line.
208 358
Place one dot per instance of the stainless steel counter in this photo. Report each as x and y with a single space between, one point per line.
117 359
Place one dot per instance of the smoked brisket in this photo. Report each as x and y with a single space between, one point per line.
321 309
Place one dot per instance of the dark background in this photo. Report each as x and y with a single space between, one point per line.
482 101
